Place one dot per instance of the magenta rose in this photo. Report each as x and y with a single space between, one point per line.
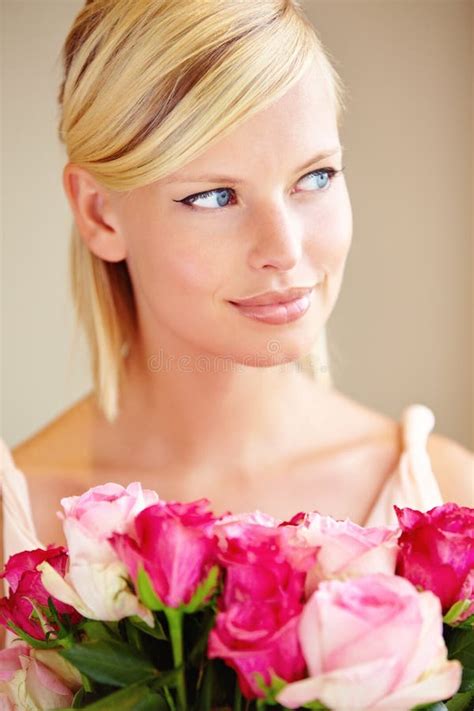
437 552
256 626
175 545
372 643
26 586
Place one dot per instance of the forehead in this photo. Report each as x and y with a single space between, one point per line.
297 125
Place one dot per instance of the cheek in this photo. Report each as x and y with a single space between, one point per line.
333 232
190 275
194 268
174 265
178 267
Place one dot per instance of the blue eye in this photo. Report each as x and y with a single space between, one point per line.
321 178
222 196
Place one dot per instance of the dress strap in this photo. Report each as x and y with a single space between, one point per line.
418 421
19 532
417 480
18 527
413 484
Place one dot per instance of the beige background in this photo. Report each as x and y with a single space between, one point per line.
402 329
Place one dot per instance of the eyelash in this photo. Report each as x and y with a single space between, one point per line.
189 199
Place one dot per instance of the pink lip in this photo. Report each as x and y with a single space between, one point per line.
277 313
274 297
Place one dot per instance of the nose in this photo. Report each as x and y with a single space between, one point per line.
277 238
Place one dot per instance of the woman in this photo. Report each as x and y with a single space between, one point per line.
205 170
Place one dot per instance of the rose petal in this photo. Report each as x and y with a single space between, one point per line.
10 660
342 689
60 589
440 685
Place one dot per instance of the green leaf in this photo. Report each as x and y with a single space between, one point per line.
138 700
460 643
132 698
134 638
32 641
271 691
169 699
461 702
151 600
437 706
110 662
96 630
203 591
155 702
157 631
146 592
198 651
165 679
39 614
468 623
63 622
78 699
205 688
467 683
456 610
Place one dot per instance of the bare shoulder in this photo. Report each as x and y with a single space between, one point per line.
358 449
451 462
57 441
453 466
361 420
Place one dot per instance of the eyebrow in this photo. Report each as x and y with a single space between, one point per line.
220 178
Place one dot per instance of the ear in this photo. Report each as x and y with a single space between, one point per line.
94 215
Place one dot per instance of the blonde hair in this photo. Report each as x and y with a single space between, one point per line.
147 86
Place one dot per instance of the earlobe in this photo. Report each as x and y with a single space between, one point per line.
97 222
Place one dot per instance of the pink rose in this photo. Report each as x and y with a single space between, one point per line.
346 549
231 525
437 552
35 679
5 703
10 659
91 518
256 626
174 544
26 586
9 665
375 644
95 583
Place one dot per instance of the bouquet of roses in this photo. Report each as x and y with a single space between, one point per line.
162 605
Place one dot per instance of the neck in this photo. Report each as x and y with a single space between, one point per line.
199 418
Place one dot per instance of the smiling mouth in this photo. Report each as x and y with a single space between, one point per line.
272 298
277 313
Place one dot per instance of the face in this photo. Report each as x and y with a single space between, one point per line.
259 211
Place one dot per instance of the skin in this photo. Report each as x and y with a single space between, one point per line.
281 228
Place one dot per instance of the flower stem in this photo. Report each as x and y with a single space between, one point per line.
86 683
237 697
175 624
169 699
